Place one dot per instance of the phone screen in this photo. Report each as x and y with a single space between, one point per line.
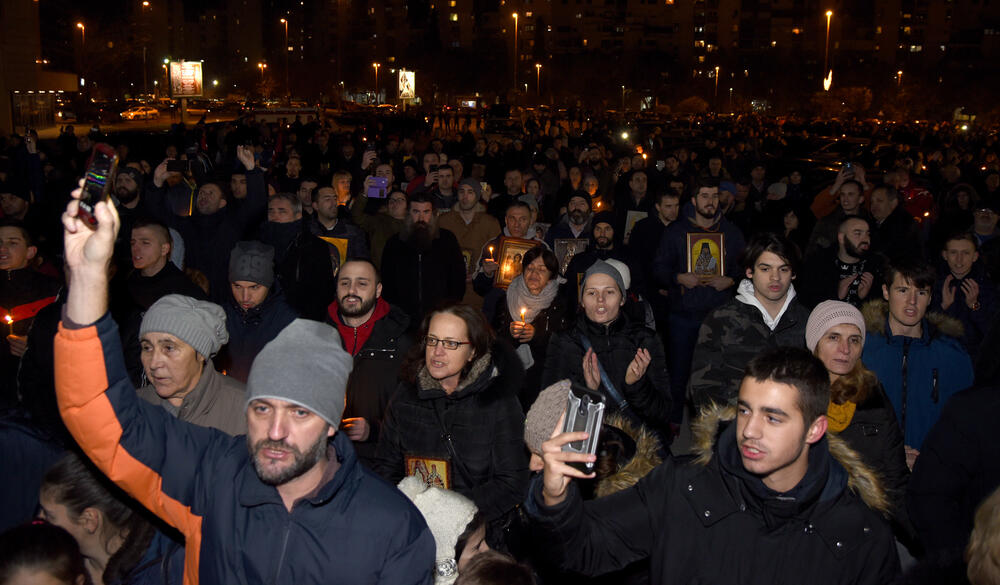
97 182
377 190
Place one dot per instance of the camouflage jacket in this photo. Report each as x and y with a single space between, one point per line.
731 336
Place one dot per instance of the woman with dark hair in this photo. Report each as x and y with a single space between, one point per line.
40 553
860 412
119 544
457 403
530 313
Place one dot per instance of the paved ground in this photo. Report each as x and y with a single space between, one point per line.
162 123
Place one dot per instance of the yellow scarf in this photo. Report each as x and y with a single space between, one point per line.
840 415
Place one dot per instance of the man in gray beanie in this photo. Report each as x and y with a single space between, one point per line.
292 480
178 337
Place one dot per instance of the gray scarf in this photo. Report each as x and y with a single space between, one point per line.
519 297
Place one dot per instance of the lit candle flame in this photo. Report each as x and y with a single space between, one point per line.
598 204
8 319
523 311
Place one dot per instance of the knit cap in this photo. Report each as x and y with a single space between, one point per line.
474 185
253 262
200 324
829 314
133 172
543 416
580 193
602 267
305 364
607 217
623 269
447 514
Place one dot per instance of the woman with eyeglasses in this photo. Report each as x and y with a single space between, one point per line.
455 417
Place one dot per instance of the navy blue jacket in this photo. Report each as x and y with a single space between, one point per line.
250 331
355 528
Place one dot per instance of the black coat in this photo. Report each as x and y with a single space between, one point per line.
251 330
958 467
418 280
548 321
486 425
712 522
875 434
615 345
302 266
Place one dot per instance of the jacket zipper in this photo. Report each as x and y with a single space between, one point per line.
934 387
284 547
906 359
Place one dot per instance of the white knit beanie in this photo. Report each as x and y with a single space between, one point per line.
829 314
447 514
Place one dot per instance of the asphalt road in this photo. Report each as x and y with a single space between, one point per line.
160 124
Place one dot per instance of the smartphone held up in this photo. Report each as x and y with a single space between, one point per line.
584 412
97 182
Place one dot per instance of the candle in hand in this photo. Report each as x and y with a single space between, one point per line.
523 311
491 254
10 322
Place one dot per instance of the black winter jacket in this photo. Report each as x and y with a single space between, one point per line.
416 280
485 422
615 345
251 330
548 321
709 521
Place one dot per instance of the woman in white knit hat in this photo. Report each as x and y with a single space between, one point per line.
860 412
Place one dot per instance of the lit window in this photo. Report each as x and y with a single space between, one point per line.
453 17
701 58
878 30
584 42
796 31
452 3
774 43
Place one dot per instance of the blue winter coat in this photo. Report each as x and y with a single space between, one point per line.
919 373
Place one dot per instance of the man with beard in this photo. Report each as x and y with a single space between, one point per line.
602 247
216 224
472 226
851 196
374 332
576 223
293 480
692 296
422 265
845 273
128 189
257 311
302 261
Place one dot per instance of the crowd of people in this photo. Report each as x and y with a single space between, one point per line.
274 325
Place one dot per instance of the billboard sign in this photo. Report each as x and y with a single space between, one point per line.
185 79
407 85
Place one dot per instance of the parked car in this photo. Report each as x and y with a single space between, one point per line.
141 113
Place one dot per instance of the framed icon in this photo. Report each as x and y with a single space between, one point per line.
632 218
706 254
566 249
433 471
511 259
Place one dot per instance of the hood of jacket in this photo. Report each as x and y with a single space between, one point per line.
862 480
646 457
876 314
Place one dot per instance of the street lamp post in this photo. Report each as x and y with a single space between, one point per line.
623 99
262 67
826 51
899 78
516 52
717 85
538 79
288 90
376 66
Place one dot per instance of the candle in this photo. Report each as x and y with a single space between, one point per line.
598 204
523 311
491 254
10 323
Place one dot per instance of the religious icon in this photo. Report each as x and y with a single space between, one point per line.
706 254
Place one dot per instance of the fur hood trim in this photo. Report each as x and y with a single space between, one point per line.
646 457
876 311
860 478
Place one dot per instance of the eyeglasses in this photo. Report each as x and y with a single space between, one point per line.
447 343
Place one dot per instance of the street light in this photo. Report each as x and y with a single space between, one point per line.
826 52
538 79
623 99
899 78
262 67
83 34
516 54
288 90
716 83
376 66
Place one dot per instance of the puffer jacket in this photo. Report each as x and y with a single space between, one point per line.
485 424
836 533
615 345
919 373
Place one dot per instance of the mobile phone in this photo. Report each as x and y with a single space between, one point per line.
584 412
848 166
660 165
178 166
377 189
97 182
434 168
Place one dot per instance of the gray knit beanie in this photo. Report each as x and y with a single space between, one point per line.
200 324
475 185
829 314
544 415
602 267
253 262
305 364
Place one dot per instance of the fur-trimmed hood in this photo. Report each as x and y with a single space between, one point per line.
646 457
861 480
876 312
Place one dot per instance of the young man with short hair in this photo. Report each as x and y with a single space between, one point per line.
964 291
917 356
772 498
765 314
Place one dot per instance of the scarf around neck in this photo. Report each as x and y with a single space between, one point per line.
519 297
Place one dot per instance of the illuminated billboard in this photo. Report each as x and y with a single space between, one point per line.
407 85
185 79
